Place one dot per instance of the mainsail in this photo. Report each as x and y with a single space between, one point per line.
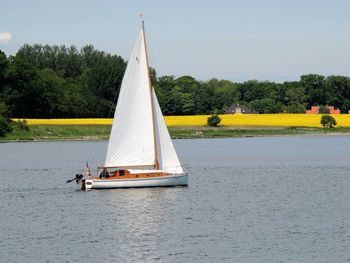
132 139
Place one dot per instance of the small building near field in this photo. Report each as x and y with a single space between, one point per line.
239 109
315 110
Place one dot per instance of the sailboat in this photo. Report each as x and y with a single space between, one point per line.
140 151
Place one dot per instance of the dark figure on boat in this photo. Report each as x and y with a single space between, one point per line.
104 173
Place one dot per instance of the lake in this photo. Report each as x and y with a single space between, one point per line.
264 199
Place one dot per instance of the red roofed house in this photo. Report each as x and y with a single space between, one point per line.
315 110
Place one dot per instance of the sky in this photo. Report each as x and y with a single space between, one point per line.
237 40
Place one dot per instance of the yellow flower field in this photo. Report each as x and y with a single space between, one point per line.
283 120
73 121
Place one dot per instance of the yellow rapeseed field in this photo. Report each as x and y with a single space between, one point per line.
282 120
74 121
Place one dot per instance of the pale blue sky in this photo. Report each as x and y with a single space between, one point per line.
236 40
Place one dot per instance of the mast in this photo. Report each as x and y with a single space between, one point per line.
156 164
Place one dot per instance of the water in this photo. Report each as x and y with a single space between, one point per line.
276 199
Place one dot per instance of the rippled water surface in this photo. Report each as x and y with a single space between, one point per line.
282 199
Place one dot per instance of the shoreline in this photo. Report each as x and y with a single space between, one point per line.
46 133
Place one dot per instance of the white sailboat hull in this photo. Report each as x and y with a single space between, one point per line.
162 181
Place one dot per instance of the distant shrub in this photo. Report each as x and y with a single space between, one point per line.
328 121
22 125
4 126
214 120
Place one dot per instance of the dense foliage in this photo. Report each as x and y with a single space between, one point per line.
4 120
58 81
328 121
323 110
51 81
213 120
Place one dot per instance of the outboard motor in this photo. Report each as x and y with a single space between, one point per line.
77 178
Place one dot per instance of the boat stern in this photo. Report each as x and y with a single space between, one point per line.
86 184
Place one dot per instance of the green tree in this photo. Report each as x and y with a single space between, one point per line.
266 106
77 101
224 93
314 89
93 76
3 68
187 103
173 102
338 92
214 120
328 121
5 120
295 98
51 88
203 99
250 90
105 76
66 61
163 87
21 92
187 84
323 110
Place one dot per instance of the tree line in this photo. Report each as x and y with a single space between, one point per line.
58 81
43 81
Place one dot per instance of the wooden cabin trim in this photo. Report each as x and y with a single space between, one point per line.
127 175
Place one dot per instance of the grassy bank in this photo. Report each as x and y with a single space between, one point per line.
242 125
60 132
223 132
101 132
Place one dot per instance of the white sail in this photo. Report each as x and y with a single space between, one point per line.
167 157
131 141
